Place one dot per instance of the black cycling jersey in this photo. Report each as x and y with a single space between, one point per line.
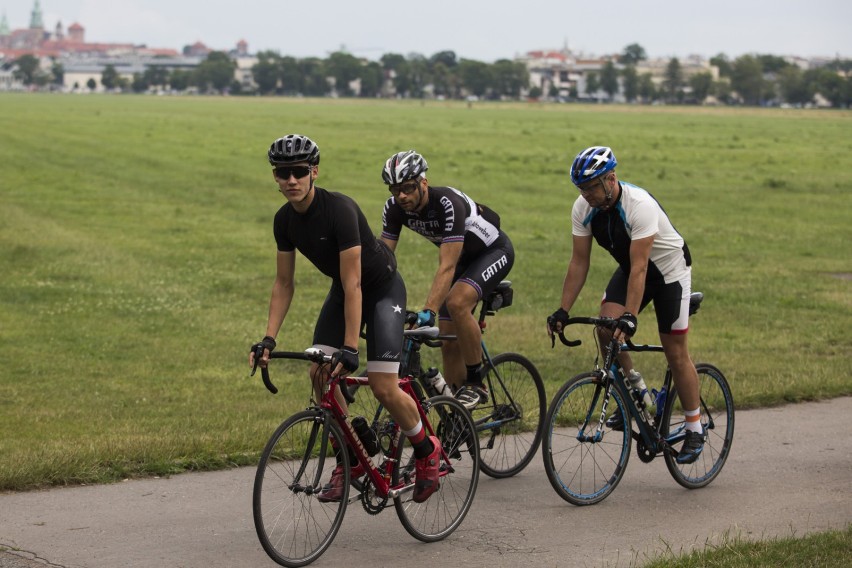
333 223
449 216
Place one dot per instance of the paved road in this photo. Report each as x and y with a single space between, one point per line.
790 473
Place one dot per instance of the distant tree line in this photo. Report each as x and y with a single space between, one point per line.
748 79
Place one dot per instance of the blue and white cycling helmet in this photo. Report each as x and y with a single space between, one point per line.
592 163
403 166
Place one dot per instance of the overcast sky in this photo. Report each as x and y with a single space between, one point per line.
485 30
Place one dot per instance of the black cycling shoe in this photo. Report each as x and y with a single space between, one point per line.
616 422
692 447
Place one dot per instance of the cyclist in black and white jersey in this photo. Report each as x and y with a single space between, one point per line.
653 265
474 256
331 231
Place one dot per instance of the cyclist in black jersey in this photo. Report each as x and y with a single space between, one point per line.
474 256
653 265
331 231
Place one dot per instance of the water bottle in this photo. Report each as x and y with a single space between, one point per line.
366 434
436 381
638 383
660 402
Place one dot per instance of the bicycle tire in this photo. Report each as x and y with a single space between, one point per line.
293 526
437 517
717 416
511 422
584 471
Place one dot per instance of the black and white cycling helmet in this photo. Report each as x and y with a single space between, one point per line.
294 148
404 166
591 163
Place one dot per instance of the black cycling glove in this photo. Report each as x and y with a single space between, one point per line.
627 323
267 343
347 356
559 316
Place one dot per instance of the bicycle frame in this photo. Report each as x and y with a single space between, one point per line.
379 474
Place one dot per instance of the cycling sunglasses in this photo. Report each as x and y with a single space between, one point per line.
298 172
406 188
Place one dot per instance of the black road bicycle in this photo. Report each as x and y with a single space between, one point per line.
585 458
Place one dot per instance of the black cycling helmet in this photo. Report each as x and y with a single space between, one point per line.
404 166
294 148
591 163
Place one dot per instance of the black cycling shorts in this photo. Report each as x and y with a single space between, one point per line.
383 312
486 271
671 301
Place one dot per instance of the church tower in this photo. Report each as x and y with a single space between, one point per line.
36 22
4 26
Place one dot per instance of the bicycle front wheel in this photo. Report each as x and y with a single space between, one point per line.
510 423
293 525
717 418
584 463
441 514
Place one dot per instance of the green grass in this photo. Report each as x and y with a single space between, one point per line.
818 550
137 256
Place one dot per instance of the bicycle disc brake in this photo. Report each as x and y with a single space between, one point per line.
371 502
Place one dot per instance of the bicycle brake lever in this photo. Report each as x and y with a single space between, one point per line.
258 353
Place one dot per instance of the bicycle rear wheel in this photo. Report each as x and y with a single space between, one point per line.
437 517
583 465
717 418
293 526
510 423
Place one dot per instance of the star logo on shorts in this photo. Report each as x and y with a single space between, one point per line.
397 310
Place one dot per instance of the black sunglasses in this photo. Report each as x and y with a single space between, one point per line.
405 188
298 172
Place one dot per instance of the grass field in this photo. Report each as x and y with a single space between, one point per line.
137 256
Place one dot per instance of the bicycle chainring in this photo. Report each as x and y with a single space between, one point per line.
371 502
645 454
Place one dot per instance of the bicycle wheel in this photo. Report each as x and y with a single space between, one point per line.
510 423
717 418
293 526
584 465
443 512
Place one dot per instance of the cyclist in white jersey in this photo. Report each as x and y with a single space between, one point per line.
653 265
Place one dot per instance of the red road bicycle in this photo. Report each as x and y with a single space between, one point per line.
295 527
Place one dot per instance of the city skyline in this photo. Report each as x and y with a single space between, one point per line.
477 29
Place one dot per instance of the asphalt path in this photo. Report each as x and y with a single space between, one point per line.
789 474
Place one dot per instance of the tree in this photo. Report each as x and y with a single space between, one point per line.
216 72
673 80
57 70
314 76
109 77
292 80
447 58
747 79
92 84
722 64
630 80
180 80
372 78
632 54
139 84
647 89
266 73
793 87
833 87
593 85
27 69
345 68
772 63
701 85
609 79
157 76
509 77
476 76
